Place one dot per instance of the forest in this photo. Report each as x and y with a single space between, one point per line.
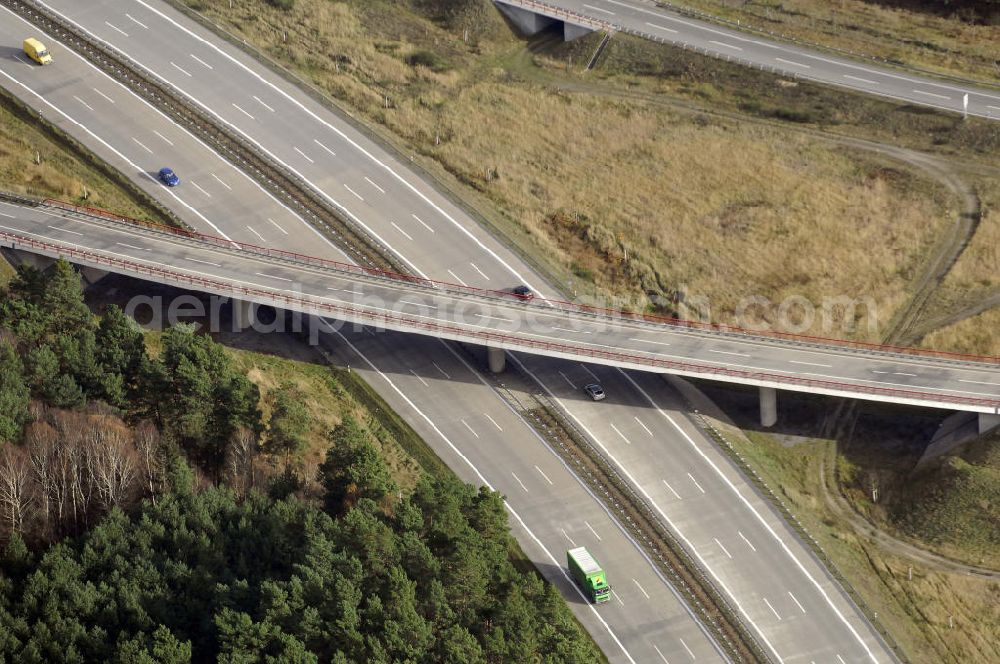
133 527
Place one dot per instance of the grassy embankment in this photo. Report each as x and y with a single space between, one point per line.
936 616
580 173
948 37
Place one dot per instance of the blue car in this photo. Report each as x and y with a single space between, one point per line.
169 178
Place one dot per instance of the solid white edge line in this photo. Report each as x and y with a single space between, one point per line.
757 515
486 483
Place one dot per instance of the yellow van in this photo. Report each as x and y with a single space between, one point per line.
36 50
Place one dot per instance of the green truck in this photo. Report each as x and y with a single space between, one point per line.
588 574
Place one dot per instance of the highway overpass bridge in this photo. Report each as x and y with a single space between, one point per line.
502 322
757 50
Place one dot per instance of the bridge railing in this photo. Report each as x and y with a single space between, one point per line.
404 322
561 305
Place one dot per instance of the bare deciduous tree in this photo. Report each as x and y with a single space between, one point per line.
111 460
240 454
41 440
15 490
147 444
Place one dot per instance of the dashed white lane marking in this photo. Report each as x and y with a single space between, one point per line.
103 95
931 94
519 481
636 418
198 260
471 430
587 369
500 429
165 139
83 102
272 276
676 495
727 352
570 540
801 608
793 63
900 373
417 304
251 229
749 544
488 317
421 221
136 21
324 147
405 234
599 9
200 61
180 69
861 80
422 381
718 43
977 382
22 61
811 364
686 648
641 589
220 181
132 246
65 230
841 659
566 329
9 216
304 155
620 434
724 550
372 183
649 341
566 378
660 27
245 112
589 527
542 473
356 194
198 187
776 614
695 482
457 278
116 28
443 372
261 102
139 143
614 593
476 268
275 224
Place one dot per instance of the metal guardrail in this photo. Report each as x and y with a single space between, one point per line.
560 305
404 322
599 24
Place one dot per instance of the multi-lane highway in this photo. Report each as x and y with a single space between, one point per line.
646 19
553 329
766 572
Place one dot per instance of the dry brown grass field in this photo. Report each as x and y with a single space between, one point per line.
32 163
702 204
955 42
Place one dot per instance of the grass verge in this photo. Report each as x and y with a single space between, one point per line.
618 194
41 160
951 38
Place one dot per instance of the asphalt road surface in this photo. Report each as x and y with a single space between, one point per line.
441 242
647 19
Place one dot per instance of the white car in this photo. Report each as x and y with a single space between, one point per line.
595 391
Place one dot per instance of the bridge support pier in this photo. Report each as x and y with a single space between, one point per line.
768 406
497 358
244 314
988 422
